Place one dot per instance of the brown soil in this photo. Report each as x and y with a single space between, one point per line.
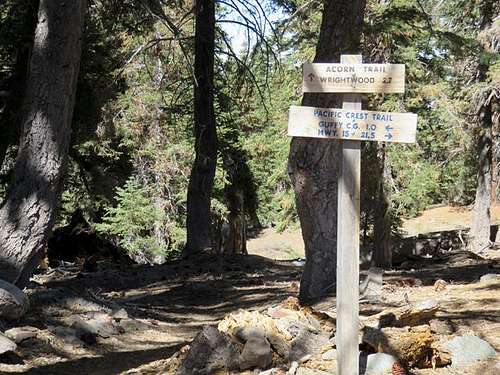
171 303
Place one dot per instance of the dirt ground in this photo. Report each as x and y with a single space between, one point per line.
167 305
289 245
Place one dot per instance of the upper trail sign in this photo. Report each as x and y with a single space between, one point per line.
354 78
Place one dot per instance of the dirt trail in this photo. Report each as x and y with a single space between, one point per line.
289 245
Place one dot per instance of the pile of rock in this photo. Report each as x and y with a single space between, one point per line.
292 340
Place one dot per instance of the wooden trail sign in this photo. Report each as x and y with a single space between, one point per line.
354 78
352 124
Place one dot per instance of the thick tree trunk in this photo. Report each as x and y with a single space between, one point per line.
12 99
480 231
28 214
481 223
314 163
203 171
382 253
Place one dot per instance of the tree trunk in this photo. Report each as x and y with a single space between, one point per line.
314 163
28 214
480 231
12 99
203 172
382 253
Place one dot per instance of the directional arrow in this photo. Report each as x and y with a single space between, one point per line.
388 128
388 136
311 76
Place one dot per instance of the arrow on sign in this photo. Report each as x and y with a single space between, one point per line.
311 76
388 128
388 136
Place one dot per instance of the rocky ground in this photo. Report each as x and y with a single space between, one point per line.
138 320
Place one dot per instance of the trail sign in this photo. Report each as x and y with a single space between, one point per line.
352 124
354 78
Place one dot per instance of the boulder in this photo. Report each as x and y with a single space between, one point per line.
466 350
377 364
211 350
307 343
256 353
6 345
13 302
490 277
19 334
102 325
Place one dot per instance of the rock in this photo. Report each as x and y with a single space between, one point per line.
293 368
410 344
13 302
69 336
330 355
19 334
441 327
466 350
256 353
120 314
307 343
377 364
6 344
211 350
130 325
246 333
102 325
489 277
371 287
310 371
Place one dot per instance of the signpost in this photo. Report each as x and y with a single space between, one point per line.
354 78
351 125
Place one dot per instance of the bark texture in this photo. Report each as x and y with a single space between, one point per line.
28 214
314 163
203 172
382 252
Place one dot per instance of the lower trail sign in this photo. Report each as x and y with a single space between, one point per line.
350 125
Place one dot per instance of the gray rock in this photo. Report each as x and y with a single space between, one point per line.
330 355
306 343
310 371
466 350
489 277
441 327
103 326
120 314
13 302
256 353
130 325
377 364
371 287
68 335
210 350
19 334
246 333
6 344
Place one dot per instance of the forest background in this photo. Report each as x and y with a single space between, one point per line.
132 145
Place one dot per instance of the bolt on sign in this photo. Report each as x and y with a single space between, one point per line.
354 78
351 124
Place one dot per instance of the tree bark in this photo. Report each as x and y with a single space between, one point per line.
382 253
481 223
28 213
480 231
314 163
203 172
